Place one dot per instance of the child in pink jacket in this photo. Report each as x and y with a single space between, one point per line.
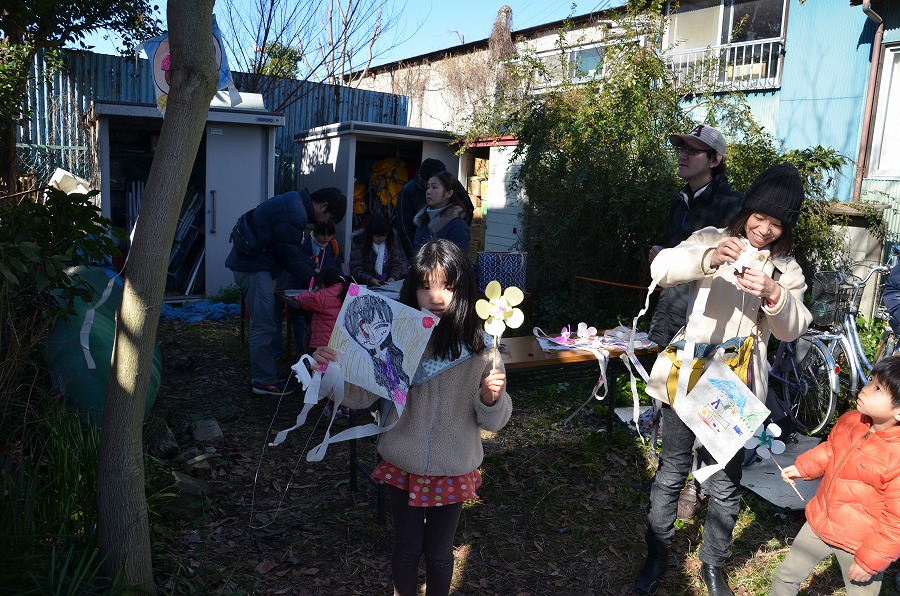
324 303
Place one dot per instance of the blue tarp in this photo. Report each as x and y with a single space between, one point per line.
199 311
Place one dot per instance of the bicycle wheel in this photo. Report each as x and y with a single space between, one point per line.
849 383
808 387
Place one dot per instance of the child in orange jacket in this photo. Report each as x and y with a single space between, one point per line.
855 514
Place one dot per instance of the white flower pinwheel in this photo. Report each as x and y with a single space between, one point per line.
765 441
498 310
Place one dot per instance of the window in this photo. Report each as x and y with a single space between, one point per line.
576 64
732 42
885 156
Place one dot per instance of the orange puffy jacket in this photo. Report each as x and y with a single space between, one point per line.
857 505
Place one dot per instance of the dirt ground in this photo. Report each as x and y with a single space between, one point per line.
562 509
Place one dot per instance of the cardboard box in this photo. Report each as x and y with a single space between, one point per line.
474 188
482 167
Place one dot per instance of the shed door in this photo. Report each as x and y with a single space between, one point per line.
237 158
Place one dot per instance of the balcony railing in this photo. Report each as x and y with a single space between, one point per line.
746 65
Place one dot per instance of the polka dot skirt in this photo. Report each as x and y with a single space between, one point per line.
429 491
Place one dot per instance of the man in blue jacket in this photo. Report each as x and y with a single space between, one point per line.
267 244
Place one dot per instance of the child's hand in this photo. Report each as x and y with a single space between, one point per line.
789 473
323 355
858 574
492 386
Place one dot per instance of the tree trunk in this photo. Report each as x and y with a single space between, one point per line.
124 527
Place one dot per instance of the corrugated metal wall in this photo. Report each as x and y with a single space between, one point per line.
56 134
826 70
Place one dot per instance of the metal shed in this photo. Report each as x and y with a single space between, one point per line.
233 172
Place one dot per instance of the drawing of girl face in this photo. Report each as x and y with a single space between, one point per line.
372 333
435 294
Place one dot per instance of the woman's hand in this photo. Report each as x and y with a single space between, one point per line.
757 283
323 355
492 386
858 574
374 283
727 252
390 280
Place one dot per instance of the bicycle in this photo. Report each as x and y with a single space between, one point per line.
807 375
835 304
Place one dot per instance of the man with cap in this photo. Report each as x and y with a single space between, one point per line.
706 199
412 199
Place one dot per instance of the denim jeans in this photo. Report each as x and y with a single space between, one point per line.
724 488
259 293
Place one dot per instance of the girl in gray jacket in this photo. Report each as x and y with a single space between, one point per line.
431 457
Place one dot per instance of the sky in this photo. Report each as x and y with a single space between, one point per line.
449 23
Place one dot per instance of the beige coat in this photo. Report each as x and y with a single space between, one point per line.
439 433
730 312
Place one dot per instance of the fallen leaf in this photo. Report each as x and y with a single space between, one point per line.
265 566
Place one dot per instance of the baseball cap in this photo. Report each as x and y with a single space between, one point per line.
706 134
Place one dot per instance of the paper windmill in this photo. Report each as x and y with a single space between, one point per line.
498 311
765 441
585 332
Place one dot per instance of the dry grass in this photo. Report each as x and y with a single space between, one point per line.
562 509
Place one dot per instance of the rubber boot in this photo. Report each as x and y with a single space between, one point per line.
715 580
651 573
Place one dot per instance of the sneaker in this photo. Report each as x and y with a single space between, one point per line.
343 412
277 389
328 411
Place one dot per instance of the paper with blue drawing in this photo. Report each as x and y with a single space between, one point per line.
721 411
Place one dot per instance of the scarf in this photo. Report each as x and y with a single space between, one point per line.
381 258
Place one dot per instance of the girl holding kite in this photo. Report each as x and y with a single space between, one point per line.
761 300
431 457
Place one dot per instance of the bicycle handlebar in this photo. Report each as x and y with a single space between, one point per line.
873 269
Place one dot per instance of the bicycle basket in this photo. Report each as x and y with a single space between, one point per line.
826 290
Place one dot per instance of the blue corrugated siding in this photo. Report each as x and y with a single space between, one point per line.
826 68
55 134
764 105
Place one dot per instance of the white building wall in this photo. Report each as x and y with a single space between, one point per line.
505 205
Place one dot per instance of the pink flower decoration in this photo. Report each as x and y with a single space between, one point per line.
399 397
427 322
323 367
354 290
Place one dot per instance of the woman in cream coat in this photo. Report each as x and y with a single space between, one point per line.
761 301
